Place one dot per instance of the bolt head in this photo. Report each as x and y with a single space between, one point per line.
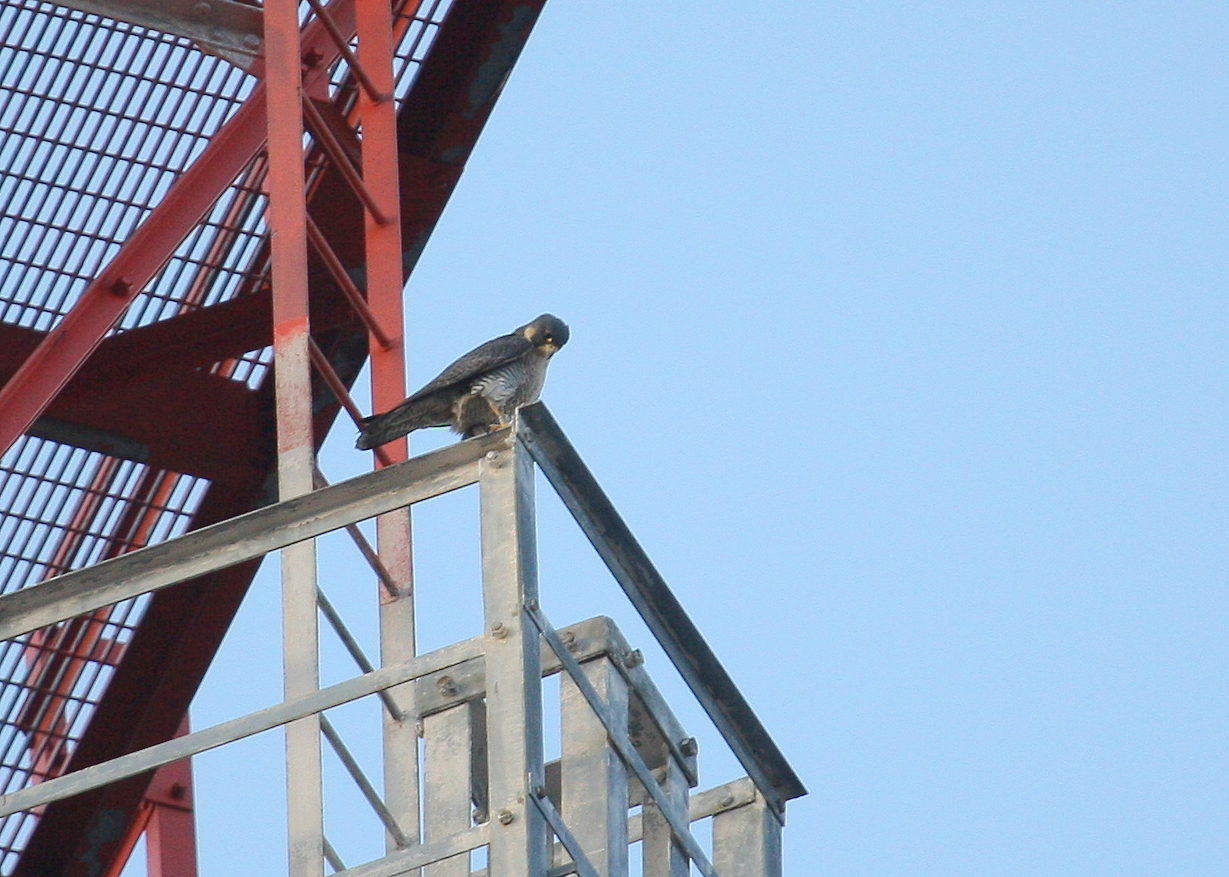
688 746
505 817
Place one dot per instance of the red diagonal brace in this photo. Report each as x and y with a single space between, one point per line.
338 272
319 129
342 43
66 347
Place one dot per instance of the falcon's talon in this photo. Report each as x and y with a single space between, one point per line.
480 392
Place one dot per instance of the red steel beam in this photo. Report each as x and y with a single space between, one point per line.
170 836
66 347
385 280
183 626
167 820
41 377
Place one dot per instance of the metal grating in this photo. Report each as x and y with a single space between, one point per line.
66 508
97 119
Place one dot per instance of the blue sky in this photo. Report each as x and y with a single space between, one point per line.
898 337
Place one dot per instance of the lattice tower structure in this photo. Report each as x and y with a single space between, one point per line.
136 333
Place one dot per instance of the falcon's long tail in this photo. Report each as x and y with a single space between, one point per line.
396 422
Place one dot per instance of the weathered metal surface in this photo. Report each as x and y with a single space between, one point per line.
594 779
513 667
398 643
245 537
651 717
223 26
747 841
663 852
623 745
170 834
296 458
151 757
702 805
448 738
660 609
405 861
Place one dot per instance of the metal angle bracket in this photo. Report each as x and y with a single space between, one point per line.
221 27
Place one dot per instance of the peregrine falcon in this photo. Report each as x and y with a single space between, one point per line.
478 392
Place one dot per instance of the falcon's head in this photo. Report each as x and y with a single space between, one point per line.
547 332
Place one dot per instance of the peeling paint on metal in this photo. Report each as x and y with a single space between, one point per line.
490 76
105 831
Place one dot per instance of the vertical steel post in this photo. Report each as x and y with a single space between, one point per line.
594 780
447 760
170 834
663 854
513 664
747 841
384 281
295 455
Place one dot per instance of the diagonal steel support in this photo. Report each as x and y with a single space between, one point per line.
66 347
360 779
619 739
347 286
246 537
320 130
662 612
245 726
342 43
364 547
352 646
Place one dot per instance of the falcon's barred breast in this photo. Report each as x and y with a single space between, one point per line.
479 392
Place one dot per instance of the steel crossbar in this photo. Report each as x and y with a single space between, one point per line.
580 862
623 745
245 726
248 536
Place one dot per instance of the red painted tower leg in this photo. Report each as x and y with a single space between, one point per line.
170 834
385 279
295 440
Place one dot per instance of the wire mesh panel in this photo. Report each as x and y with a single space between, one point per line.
66 508
98 118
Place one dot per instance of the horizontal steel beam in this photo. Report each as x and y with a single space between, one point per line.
218 24
156 756
248 536
662 612
405 861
